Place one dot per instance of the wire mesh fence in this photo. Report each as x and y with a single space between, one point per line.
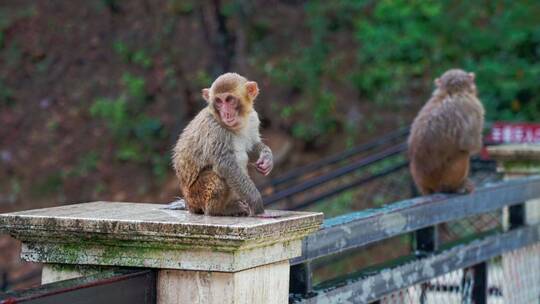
452 288
512 278
520 275
397 186
482 173
384 189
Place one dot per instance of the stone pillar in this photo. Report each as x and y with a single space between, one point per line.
520 284
199 259
518 161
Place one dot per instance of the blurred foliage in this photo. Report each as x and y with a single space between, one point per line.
138 136
410 42
303 73
138 57
337 205
403 45
6 95
333 71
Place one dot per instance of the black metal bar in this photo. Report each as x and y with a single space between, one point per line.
3 281
426 239
300 279
358 229
356 183
478 164
124 286
332 159
334 174
516 216
480 284
34 275
421 270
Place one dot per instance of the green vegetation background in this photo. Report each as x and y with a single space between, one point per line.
93 93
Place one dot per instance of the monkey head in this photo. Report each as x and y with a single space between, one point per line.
456 81
230 99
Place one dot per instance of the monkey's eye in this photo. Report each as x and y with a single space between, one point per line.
229 99
218 101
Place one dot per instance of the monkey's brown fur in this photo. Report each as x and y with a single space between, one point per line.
210 157
444 134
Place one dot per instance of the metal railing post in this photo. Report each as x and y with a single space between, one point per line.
301 279
426 240
480 285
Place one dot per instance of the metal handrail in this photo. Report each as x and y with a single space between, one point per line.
377 224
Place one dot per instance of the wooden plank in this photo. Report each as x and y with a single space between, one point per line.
129 286
358 229
364 289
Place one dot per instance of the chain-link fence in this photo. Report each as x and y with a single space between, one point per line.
513 278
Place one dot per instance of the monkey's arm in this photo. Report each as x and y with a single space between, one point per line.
470 137
228 169
265 158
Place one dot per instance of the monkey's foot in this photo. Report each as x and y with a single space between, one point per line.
468 187
233 208
242 209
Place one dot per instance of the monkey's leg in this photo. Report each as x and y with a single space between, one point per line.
223 201
455 179
229 208
216 197
467 187
206 188
423 181
194 209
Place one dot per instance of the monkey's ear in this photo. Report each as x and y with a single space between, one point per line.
437 82
252 89
472 76
206 94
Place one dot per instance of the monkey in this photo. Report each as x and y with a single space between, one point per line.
212 153
445 133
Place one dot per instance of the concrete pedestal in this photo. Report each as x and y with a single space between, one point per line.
518 161
201 259
263 284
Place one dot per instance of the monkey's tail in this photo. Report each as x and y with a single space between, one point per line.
179 204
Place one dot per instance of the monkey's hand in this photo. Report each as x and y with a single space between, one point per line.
265 163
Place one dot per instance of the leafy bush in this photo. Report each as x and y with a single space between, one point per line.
407 43
138 136
401 46
138 57
6 95
315 111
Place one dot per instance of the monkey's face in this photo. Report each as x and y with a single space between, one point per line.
230 99
228 107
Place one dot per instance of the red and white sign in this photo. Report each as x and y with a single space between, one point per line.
514 133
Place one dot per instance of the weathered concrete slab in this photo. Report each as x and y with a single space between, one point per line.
515 152
146 235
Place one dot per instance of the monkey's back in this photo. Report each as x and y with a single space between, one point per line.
443 135
202 138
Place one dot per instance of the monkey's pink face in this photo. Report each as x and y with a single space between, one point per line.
228 108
